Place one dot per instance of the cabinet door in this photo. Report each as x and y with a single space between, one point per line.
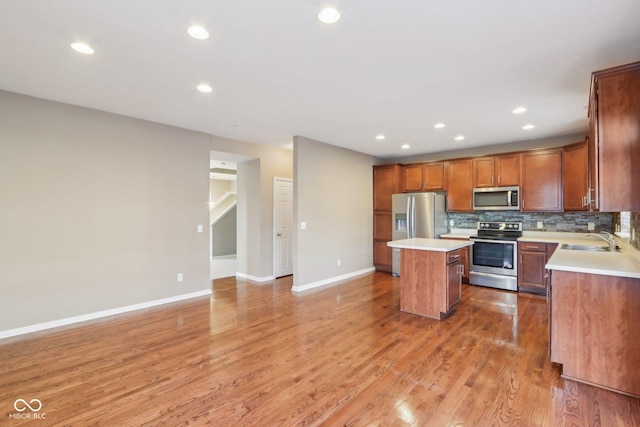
382 228
459 186
592 143
382 256
454 284
483 172
507 169
434 177
386 181
413 178
618 127
464 260
541 187
575 177
531 272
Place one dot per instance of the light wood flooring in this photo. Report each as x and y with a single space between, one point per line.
260 355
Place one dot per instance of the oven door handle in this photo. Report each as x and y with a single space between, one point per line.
513 242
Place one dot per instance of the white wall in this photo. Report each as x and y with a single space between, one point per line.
333 194
98 211
255 217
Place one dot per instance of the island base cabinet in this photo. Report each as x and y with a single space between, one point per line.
594 329
430 282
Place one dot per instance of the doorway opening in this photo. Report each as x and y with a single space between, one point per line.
223 217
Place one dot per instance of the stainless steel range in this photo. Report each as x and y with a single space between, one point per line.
494 255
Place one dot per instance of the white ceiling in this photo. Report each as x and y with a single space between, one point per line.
386 67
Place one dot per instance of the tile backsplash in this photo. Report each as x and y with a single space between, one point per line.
634 227
551 221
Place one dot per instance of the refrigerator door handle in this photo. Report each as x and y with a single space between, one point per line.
413 217
408 218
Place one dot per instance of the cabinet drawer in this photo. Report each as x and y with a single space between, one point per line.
532 247
454 256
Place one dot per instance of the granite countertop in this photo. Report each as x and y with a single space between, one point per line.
438 245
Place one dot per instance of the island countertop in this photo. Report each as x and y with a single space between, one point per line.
438 245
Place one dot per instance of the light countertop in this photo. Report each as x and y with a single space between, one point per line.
620 264
625 263
438 245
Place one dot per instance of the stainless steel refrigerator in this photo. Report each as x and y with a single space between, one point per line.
417 215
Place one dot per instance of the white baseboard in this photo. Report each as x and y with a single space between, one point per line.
255 278
300 288
105 313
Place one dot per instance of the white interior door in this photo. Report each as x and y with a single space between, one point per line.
283 226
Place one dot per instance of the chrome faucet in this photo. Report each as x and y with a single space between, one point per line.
609 238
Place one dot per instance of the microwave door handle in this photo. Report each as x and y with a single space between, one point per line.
509 198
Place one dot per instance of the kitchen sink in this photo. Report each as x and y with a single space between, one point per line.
592 248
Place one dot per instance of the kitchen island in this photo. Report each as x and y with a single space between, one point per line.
430 275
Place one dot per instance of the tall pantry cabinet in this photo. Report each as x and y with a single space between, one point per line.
387 180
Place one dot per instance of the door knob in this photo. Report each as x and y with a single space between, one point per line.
279 234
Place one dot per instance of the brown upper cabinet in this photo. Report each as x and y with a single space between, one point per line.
541 181
496 171
459 185
614 139
575 177
424 177
387 180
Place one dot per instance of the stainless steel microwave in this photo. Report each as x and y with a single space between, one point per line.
496 199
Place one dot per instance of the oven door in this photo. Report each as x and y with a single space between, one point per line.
495 256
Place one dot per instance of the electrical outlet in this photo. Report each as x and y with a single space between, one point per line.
200 228
303 225
450 223
180 277
539 225
338 262
591 226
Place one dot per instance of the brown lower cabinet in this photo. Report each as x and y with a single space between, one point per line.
593 325
464 259
532 258
430 282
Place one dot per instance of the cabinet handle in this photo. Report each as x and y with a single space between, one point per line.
531 247
461 270
455 256
491 179
499 179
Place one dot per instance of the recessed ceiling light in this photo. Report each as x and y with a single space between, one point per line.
519 110
198 32
405 146
528 127
380 137
82 48
204 88
329 15
459 138
439 125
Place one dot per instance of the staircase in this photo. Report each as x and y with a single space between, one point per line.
222 216
221 207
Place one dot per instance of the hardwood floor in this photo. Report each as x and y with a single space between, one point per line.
260 355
